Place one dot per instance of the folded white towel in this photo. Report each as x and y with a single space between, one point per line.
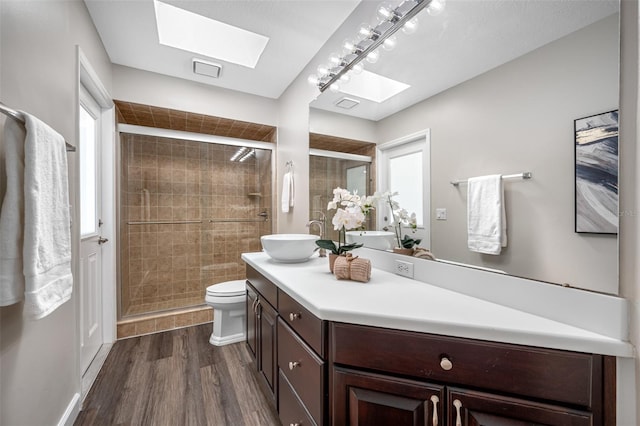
486 219
287 192
12 215
47 220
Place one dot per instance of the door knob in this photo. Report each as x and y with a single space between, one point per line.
102 240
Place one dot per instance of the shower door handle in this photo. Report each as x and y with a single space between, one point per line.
102 240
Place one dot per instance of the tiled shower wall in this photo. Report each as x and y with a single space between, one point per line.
208 210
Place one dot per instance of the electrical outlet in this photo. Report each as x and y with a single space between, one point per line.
404 268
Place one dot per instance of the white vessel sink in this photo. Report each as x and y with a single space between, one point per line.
381 240
289 248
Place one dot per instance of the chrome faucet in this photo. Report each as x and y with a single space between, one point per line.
320 223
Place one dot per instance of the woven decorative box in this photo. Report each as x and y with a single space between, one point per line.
353 268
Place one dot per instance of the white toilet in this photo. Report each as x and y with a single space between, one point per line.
228 301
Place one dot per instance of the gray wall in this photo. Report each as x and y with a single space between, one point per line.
519 117
39 366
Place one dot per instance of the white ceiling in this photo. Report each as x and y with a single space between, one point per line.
296 30
470 37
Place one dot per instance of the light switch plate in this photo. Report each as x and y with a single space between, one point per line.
441 214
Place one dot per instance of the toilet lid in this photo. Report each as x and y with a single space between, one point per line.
227 289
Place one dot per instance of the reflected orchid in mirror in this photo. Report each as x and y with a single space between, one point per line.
401 217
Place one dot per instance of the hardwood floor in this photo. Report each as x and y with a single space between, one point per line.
177 378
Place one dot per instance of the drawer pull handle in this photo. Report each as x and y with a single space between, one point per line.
435 401
446 363
294 316
458 405
293 364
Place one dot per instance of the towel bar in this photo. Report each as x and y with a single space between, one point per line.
523 175
16 115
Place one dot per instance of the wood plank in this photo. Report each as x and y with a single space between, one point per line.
177 378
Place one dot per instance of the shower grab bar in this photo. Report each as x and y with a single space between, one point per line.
237 220
165 222
183 222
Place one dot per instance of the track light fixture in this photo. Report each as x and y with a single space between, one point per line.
390 19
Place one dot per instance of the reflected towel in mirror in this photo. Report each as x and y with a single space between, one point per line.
486 219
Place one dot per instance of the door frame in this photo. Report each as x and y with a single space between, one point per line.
88 78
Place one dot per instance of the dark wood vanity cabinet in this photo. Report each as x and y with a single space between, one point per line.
419 379
302 364
329 373
261 331
289 346
362 398
480 408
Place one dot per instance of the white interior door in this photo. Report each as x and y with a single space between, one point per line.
91 241
404 167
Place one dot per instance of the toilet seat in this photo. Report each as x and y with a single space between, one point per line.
227 289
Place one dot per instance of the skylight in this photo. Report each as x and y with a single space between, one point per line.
189 31
373 87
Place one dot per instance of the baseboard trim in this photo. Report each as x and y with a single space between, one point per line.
71 413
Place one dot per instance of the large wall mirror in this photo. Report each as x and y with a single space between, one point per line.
498 85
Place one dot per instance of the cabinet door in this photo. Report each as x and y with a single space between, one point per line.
371 399
267 320
252 321
471 408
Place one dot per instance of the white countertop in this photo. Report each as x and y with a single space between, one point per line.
392 301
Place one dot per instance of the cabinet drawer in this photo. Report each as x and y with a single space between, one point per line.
291 410
266 288
553 375
303 369
307 325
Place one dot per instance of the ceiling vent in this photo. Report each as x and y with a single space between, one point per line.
346 103
205 68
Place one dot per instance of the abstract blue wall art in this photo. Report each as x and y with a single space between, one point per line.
596 172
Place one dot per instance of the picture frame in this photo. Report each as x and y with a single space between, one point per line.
596 173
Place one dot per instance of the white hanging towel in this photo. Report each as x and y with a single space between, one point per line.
12 215
47 220
287 192
486 219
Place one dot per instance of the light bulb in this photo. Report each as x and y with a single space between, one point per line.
411 26
349 46
390 43
436 7
344 78
323 69
357 68
313 79
373 56
335 87
365 30
335 59
384 12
